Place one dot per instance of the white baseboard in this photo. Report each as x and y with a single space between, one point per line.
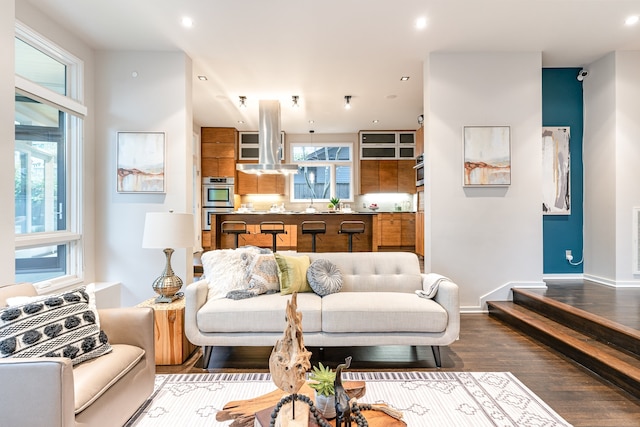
503 293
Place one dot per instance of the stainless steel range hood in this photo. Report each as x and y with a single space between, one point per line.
268 143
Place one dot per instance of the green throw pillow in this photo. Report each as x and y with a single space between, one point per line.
292 272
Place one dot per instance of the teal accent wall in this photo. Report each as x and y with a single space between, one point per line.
562 105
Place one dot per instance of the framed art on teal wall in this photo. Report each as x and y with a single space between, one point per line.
556 170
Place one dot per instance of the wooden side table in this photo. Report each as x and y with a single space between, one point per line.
172 346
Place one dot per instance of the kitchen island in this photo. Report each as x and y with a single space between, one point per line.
331 241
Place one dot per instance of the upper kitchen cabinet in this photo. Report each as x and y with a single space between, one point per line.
420 141
218 151
388 145
259 184
248 146
387 176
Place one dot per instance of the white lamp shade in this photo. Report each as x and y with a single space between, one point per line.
168 230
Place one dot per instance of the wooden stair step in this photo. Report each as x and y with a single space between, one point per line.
619 368
625 338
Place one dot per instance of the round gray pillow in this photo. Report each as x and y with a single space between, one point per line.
324 277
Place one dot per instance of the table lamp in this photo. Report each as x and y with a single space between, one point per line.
168 230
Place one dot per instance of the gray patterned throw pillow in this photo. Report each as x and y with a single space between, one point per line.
61 325
324 277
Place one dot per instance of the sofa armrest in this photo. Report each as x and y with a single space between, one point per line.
37 391
195 297
130 325
448 297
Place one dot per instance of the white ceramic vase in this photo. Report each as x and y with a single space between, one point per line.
326 405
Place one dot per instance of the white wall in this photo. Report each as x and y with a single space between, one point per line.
158 99
485 239
599 155
7 114
627 161
611 153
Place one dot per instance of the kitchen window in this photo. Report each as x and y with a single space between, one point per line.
325 170
47 156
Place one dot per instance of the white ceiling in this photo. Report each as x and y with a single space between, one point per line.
323 50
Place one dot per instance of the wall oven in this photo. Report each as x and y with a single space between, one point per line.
217 197
419 168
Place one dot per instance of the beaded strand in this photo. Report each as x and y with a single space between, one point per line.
356 415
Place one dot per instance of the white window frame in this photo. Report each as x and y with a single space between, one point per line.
322 163
72 104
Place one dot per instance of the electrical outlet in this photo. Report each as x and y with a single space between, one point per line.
568 255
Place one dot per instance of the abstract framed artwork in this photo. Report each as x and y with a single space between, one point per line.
556 165
487 156
141 162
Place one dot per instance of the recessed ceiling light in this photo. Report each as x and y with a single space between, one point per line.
187 22
404 78
240 122
376 121
203 78
311 122
421 23
631 20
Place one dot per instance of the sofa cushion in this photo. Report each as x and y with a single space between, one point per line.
292 273
376 271
227 269
60 325
262 278
264 313
383 312
93 378
324 277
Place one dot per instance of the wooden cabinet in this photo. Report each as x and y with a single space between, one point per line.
419 233
218 151
259 184
387 176
369 176
420 141
397 230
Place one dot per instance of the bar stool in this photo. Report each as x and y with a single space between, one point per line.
350 228
274 228
313 228
234 227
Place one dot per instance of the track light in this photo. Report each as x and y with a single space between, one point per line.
347 102
243 102
294 100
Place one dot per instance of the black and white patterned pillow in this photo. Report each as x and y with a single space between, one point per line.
61 325
324 277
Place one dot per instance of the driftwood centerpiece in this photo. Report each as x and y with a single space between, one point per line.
290 360
288 365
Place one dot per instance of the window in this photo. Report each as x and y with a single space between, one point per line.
48 128
325 170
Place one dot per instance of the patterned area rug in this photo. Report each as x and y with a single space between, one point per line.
425 398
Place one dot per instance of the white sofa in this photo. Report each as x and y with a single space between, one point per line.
377 305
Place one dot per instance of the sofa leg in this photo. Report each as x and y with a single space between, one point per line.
436 355
207 351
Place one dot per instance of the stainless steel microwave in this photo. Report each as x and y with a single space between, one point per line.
419 168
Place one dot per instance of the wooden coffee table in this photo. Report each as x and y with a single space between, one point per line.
257 411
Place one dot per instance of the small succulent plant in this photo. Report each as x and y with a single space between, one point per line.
334 201
322 380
